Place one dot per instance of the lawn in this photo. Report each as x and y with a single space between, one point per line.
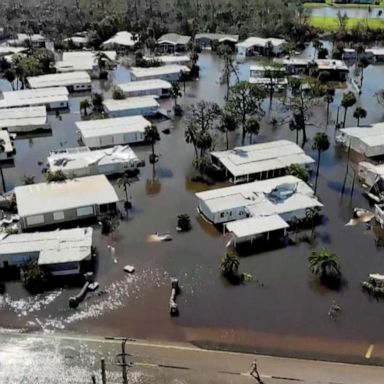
331 24
329 3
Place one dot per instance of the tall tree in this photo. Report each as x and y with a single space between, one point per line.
317 45
227 124
244 101
84 105
348 100
175 92
97 101
274 73
359 113
151 135
329 98
320 144
252 128
2 149
10 76
362 64
229 68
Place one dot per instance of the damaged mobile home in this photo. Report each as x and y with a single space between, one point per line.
283 200
22 120
82 161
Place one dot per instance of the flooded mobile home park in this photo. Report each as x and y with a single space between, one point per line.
283 304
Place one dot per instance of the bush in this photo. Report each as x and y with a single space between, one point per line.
117 94
34 277
183 222
56 176
298 171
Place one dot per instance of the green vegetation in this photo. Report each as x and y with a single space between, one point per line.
117 93
325 265
320 144
183 222
33 277
331 23
298 171
151 135
330 3
56 176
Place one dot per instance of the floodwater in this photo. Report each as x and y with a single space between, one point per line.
352 13
289 302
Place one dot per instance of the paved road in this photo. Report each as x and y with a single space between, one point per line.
43 359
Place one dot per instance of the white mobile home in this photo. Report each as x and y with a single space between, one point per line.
261 46
21 120
261 75
133 106
165 72
157 87
52 98
122 41
285 196
110 132
84 61
207 40
369 174
54 203
169 59
369 141
74 81
81 161
173 42
58 252
9 149
260 161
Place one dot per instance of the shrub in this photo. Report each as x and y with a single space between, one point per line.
56 176
33 277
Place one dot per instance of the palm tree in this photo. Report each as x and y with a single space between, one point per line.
10 76
348 100
317 44
229 265
190 135
175 92
227 124
252 128
123 182
363 63
151 135
329 98
359 113
84 105
324 264
101 59
2 149
320 144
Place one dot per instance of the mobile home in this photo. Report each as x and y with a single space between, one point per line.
82 161
21 120
165 72
55 203
156 87
132 106
110 132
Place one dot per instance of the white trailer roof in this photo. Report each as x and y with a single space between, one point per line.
256 225
104 127
289 193
220 37
34 97
130 103
41 198
83 157
257 158
260 42
6 50
123 38
59 80
169 59
81 60
55 247
17 117
145 85
174 38
158 71
5 138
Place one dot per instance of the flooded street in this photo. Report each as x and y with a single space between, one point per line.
290 304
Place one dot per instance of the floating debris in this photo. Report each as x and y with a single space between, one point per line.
129 269
158 237
360 215
174 310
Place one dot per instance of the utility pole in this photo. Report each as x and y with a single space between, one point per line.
122 357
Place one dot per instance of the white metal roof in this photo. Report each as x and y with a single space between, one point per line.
130 103
326 64
376 51
158 71
104 127
59 79
83 157
18 117
5 138
257 158
145 85
260 42
55 247
123 38
77 39
169 59
256 225
292 193
41 198
217 36
262 68
174 38
6 50
81 60
34 97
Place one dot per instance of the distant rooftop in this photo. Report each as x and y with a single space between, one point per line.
158 71
261 42
16 117
59 80
122 38
174 39
130 103
144 85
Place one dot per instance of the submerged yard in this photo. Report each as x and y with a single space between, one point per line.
283 308
328 23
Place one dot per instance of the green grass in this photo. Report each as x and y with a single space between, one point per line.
329 3
331 24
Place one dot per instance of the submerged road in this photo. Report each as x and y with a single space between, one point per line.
62 359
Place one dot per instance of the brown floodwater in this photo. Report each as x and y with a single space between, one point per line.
289 304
